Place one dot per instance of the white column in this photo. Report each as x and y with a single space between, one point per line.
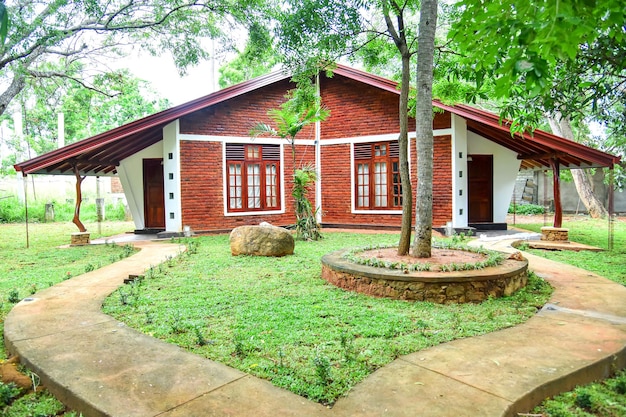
459 165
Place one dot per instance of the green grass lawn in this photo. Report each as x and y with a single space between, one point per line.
24 271
592 232
279 320
275 318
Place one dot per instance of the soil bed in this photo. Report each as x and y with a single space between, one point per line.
438 257
433 285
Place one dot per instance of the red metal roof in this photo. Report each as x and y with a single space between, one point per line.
534 149
101 154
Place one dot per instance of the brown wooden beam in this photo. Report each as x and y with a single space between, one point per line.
540 156
556 184
95 162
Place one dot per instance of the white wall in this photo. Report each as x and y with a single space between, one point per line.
505 168
459 163
171 165
130 172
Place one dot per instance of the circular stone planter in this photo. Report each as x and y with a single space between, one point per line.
437 287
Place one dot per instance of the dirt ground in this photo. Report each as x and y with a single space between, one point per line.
439 257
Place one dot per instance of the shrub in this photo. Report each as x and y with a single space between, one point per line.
7 393
526 209
12 211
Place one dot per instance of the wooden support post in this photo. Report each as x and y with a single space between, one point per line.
556 184
79 200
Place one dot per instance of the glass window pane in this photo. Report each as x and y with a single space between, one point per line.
254 185
363 185
234 186
380 184
253 151
271 185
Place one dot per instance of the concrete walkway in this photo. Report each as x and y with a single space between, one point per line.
100 367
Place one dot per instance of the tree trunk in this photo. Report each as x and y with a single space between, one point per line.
403 140
561 126
422 244
399 39
17 85
584 186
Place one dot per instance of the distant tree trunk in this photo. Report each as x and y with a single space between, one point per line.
79 200
422 245
561 126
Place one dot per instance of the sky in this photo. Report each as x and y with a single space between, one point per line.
164 77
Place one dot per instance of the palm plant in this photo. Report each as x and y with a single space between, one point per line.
302 108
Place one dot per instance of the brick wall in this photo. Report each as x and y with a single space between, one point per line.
202 189
337 192
442 180
356 110
237 116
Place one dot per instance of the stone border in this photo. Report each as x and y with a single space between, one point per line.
437 287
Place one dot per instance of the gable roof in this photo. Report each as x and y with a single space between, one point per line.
534 149
102 153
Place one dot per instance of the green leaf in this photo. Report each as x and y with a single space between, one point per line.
4 23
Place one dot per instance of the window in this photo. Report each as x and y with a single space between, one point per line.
252 177
377 171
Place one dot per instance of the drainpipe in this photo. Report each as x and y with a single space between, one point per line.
318 158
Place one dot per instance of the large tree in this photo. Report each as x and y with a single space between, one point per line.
565 60
257 58
86 112
313 33
424 130
93 32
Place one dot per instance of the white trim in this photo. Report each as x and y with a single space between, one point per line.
318 158
362 139
378 138
443 132
352 184
377 212
230 139
254 213
282 184
310 142
243 139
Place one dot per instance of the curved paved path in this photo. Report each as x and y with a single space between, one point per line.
100 367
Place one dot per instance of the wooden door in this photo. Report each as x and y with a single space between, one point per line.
154 199
480 188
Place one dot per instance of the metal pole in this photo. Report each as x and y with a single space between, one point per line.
98 206
26 210
611 207
545 198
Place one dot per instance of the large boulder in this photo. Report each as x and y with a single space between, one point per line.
262 240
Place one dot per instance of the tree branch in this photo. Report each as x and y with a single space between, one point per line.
54 74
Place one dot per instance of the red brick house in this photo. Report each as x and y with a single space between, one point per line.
196 164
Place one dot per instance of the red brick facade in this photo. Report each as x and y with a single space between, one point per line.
356 110
442 180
